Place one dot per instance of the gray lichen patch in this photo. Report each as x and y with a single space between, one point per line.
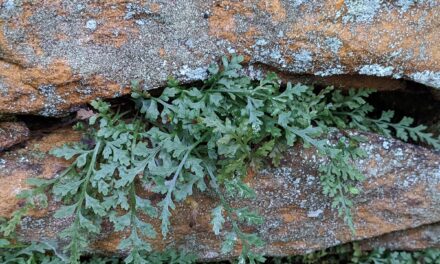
315 213
303 61
376 70
3 88
2 163
9 5
405 4
365 11
361 11
134 10
338 69
429 78
333 44
193 74
91 24
52 100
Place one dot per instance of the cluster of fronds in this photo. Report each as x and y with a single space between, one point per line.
40 253
351 253
203 137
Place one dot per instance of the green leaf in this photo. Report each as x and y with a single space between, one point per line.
265 149
149 108
165 215
169 93
142 150
81 160
254 113
229 243
354 190
194 92
64 188
146 206
65 211
38 182
95 205
145 228
120 222
252 218
107 169
217 219
101 106
215 99
284 119
213 69
4 242
87 224
387 116
239 188
66 152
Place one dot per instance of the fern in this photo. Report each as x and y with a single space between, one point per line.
205 138
355 114
37 253
352 253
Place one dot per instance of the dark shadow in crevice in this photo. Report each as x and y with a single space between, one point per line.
414 100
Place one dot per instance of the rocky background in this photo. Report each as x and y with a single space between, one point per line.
56 56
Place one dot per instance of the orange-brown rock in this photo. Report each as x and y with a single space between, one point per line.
12 133
401 191
55 55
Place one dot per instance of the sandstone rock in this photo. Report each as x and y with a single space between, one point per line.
401 192
55 55
419 238
12 133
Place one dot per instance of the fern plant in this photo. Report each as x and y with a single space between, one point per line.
352 253
205 137
44 253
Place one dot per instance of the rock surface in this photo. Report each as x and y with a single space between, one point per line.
12 133
401 192
55 55
419 238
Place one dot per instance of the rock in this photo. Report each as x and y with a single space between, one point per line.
418 238
55 55
12 133
401 191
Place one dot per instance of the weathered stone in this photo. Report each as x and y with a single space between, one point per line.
12 133
55 55
419 238
401 191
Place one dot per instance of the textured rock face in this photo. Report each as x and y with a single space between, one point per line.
414 239
401 192
55 55
12 133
